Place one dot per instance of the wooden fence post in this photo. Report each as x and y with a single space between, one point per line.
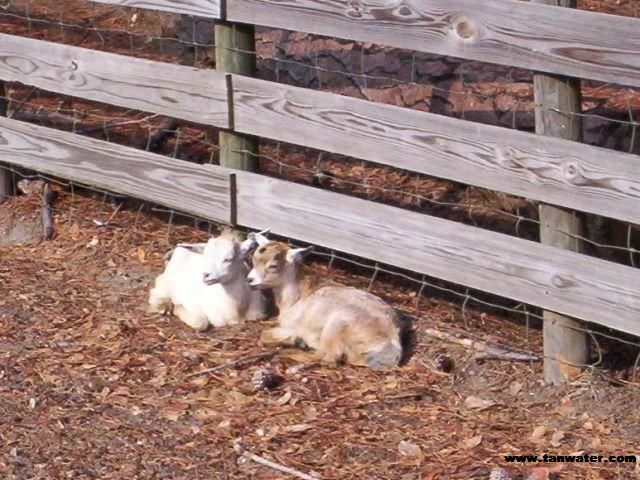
6 186
235 47
557 99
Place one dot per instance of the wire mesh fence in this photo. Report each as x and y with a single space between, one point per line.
469 90
462 313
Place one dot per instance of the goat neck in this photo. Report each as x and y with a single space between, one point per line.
298 283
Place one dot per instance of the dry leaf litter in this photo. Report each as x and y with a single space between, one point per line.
91 386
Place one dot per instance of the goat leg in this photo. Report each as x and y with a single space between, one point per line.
279 336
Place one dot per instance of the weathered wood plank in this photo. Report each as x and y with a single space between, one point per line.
200 8
507 32
174 90
552 170
186 187
555 279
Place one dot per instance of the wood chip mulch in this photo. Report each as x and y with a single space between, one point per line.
91 386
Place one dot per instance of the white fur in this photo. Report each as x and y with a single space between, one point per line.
204 284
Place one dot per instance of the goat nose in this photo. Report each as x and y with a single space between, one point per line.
210 278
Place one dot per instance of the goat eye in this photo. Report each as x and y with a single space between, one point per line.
272 267
228 260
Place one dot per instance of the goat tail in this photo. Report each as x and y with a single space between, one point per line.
385 357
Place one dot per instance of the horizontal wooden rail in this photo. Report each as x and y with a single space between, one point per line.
174 90
509 32
552 170
555 171
558 280
201 191
562 281
200 8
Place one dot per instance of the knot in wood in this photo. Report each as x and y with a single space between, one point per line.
21 65
432 140
355 9
561 282
74 65
464 28
571 170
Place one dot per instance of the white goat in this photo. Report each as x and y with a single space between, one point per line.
205 284
339 322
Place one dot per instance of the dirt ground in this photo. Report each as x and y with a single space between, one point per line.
91 386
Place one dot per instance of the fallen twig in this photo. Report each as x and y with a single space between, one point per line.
232 364
488 350
436 372
108 223
416 396
243 452
516 357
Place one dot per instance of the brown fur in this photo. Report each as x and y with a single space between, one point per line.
277 251
339 322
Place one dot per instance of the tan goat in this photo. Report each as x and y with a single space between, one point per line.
341 323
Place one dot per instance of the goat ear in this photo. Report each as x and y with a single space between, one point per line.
260 238
296 254
193 247
252 240
247 245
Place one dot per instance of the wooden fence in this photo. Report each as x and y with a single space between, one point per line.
554 171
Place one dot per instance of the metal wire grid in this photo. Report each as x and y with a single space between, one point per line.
470 304
317 170
102 11
317 167
191 37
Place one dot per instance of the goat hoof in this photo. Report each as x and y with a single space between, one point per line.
301 344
